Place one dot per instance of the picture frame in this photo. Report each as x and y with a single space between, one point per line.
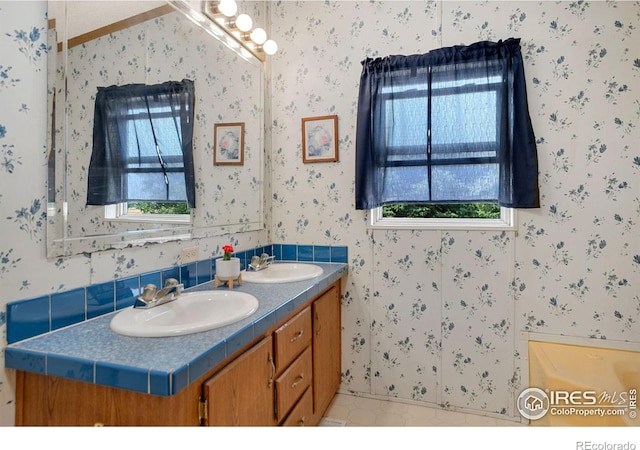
228 144
320 139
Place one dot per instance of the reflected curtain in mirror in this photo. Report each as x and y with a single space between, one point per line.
448 126
143 144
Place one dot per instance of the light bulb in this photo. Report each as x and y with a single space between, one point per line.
270 47
244 22
228 7
259 36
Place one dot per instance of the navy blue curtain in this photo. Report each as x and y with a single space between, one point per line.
448 126
143 144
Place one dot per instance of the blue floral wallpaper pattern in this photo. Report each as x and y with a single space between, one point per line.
429 316
437 316
25 272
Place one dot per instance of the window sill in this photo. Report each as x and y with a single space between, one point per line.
507 222
153 218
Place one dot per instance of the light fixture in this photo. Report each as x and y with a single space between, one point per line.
259 36
239 28
228 8
244 23
270 47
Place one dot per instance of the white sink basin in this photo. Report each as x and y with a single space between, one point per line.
283 273
192 312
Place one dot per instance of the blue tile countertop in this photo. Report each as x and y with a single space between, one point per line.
91 352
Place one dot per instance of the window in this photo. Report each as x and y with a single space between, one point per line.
447 127
456 145
143 149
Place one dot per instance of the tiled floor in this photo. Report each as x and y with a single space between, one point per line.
363 412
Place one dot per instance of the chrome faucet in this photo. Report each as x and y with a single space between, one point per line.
260 262
152 297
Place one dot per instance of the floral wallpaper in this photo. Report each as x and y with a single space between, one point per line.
437 316
23 211
429 316
25 271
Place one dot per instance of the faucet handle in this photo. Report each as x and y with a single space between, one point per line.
266 260
170 282
149 292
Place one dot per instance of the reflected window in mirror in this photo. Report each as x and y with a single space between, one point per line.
142 159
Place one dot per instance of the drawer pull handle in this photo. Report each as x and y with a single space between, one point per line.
272 368
297 336
298 380
301 421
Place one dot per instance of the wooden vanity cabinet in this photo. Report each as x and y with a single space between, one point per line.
327 356
242 393
262 385
307 368
286 377
45 400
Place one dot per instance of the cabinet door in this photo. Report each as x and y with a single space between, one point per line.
326 349
242 394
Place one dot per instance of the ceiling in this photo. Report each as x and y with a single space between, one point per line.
88 15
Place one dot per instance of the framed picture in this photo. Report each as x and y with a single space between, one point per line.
228 143
320 139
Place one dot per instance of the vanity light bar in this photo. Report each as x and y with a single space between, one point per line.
228 8
239 28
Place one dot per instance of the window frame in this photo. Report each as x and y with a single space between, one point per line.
119 212
507 221
115 106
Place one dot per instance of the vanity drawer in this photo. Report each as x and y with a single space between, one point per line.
291 338
293 382
302 413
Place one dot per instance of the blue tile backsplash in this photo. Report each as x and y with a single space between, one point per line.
35 316
100 299
68 307
28 318
127 290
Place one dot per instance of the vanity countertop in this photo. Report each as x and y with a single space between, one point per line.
91 352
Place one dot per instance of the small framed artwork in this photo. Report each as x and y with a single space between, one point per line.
228 143
320 139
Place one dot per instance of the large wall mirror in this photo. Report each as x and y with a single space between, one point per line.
106 43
